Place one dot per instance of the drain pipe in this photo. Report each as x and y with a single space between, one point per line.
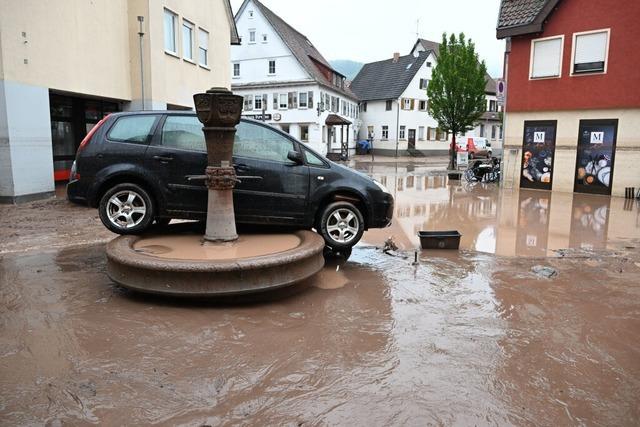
141 34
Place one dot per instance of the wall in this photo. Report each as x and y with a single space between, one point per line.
627 159
617 88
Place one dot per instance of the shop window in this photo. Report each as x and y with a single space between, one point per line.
170 21
590 52
546 57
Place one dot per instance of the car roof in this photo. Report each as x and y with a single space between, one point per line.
172 113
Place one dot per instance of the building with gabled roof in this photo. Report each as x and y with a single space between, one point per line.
288 83
393 95
573 98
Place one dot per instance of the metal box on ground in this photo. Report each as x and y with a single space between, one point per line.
439 239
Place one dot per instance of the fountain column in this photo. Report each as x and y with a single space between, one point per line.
219 111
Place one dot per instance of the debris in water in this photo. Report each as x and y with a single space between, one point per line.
389 245
544 271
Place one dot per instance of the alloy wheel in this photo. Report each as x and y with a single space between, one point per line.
126 209
343 225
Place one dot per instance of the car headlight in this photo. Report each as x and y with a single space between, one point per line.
381 187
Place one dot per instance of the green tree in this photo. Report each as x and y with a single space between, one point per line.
456 90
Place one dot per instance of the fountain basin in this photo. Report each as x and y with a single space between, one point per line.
180 265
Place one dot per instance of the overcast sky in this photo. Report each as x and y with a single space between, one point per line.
371 30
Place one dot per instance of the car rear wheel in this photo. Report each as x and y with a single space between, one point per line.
341 225
126 209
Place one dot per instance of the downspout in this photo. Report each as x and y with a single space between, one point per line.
398 126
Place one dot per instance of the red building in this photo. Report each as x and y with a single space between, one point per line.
573 94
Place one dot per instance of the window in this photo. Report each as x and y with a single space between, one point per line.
236 70
283 101
364 106
170 20
385 132
302 96
264 38
292 100
423 105
428 64
431 134
203 47
407 104
500 133
546 57
312 159
272 66
440 135
421 133
402 132
482 130
310 98
493 132
183 132
248 102
251 14
275 101
493 105
424 83
304 133
252 36
134 129
259 142
260 102
389 105
187 40
590 51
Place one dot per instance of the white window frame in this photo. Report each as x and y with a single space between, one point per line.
384 134
402 132
269 73
203 47
532 50
281 105
175 33
186 24
306 95
252 31
421 133
573 52
258 99
406 104
233 73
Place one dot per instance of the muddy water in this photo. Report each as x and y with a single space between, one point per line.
462 338
508 222
191 247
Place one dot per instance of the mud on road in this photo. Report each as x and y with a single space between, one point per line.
462 338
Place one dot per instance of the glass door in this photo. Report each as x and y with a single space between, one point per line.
595 156
538 150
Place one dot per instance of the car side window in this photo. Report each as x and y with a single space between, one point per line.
259 142
135 129
312 159
183 132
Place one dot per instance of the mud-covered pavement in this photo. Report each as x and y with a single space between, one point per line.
463 338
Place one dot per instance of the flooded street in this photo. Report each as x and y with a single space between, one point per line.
469 337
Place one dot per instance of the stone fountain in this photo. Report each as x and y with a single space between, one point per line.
220 262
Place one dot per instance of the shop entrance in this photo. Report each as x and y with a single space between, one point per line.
71 119
538 151
595 156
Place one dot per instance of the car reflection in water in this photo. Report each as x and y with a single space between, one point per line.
508 222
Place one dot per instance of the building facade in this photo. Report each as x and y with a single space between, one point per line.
393 105
287 82
573 97
63 68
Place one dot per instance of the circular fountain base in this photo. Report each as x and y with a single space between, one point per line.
182 265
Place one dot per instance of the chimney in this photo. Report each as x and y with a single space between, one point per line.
396 56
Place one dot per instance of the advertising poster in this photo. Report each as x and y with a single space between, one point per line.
596 150
538 148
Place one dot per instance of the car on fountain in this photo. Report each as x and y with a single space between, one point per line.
141 168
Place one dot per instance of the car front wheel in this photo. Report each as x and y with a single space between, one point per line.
341 225
126 209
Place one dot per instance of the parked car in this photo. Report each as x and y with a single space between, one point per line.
135 168
478 147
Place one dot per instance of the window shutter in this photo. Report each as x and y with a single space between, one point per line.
413 101
310 99
275 101
546 58
402 103
290 99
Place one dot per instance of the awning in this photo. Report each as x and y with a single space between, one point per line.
335 120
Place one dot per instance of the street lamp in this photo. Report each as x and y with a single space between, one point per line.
141 34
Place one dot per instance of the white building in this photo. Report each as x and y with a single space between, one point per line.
393 105
287 83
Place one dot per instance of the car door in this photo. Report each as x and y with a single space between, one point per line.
276 188
177 152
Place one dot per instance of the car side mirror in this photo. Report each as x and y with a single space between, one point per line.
295 156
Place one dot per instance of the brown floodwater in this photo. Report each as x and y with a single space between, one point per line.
191 247
462 338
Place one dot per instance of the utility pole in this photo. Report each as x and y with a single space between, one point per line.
141 34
